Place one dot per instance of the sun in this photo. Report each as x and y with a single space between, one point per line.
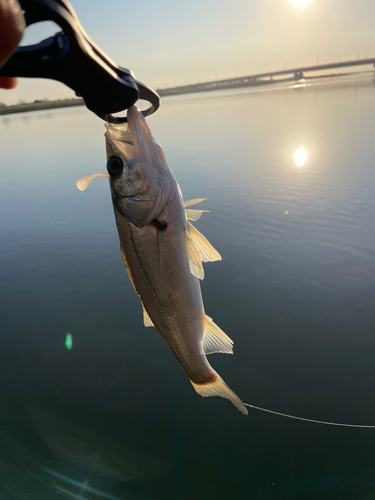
300 2
300 157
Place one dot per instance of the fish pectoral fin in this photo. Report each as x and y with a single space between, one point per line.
204 248
220 388
194 215
195 261
189 203
146 318
214 339
83 183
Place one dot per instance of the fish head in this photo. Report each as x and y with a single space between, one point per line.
140 179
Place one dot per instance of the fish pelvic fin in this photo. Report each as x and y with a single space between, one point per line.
194 215
214 339
146 318
220 388
189 203
127 268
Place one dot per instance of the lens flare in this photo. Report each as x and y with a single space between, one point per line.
69 341
300 157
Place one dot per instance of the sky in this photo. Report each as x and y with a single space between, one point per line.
169 43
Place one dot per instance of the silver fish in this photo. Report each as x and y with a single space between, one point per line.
163 252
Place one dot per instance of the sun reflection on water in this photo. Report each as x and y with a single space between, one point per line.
300 157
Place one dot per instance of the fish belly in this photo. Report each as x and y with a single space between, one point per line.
169 292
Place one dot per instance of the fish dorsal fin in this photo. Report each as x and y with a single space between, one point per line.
83 183
214 339
146 318
195 262
189 203
194 215
204 248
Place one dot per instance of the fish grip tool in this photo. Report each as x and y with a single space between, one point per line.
72 58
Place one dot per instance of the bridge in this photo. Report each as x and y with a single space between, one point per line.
263 78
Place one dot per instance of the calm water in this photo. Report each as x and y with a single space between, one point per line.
115 417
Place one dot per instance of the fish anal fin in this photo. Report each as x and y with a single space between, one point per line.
204 248
189 203
219 388
146 318
214 339
196 271
195 261
194 215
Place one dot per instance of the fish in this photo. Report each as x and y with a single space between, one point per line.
163 252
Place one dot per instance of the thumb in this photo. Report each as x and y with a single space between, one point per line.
12 25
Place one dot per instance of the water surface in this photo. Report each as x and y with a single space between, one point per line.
115 416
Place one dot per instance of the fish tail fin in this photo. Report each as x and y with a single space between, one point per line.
219 388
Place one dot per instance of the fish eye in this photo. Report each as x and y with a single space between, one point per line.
115 165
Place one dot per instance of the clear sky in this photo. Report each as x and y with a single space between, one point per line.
169 42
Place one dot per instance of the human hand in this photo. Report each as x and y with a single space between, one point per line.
12 25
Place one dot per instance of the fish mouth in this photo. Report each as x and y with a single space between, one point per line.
133 197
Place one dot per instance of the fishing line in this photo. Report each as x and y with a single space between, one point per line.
310 420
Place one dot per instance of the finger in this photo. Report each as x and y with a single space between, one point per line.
8 82
12 25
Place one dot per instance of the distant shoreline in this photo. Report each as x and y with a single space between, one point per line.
173 91
212 86
40 105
